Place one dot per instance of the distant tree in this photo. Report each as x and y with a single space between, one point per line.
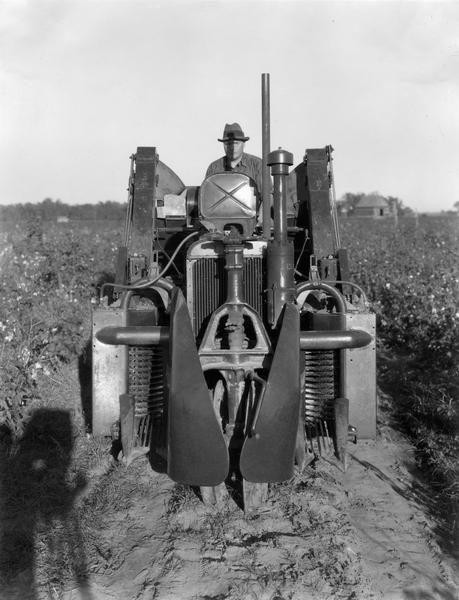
397 205
456 206
109 210
48 209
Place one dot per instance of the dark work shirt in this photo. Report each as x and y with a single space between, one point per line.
249 165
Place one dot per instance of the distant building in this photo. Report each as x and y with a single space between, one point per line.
62 219
374 206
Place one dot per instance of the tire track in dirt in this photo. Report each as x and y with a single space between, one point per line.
324 535
388 509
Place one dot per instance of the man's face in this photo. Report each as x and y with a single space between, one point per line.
234 149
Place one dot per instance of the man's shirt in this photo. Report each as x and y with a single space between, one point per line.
249 165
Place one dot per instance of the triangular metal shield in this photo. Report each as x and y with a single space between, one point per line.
197 452
268 453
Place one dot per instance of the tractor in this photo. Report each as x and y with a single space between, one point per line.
232 346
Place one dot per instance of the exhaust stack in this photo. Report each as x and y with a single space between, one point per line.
281 285
265 144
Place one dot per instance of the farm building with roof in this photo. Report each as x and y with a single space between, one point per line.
374 206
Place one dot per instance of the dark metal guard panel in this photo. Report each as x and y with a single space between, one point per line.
152 180
197 453
268 455
144 189
319 201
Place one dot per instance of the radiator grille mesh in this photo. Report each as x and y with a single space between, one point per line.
209 287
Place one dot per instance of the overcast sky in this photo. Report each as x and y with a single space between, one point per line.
83 83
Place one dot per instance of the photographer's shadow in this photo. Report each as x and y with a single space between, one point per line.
40 537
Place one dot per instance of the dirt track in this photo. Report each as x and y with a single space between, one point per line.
130 533
324 535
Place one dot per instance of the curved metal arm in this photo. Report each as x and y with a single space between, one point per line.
351 284
159 282
325 287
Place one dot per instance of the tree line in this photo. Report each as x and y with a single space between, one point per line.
53 210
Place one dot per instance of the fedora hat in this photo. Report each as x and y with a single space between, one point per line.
233 131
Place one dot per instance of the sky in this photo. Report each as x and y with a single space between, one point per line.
83 83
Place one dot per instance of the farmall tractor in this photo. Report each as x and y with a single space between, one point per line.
232 346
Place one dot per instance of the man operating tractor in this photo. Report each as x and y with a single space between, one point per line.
235 159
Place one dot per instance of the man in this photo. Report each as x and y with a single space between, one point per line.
235 159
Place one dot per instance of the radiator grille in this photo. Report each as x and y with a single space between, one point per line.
254 283
209 287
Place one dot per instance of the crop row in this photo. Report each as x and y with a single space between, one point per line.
47 282
412 278
49 278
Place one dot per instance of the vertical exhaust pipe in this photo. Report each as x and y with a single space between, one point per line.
279 161
280 258
265 141
280 254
